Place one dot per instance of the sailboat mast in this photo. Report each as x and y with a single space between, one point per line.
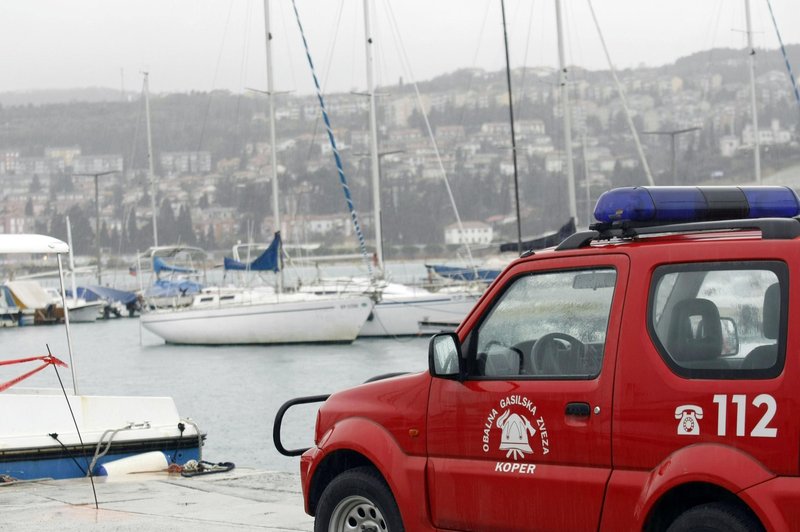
276 213
373 141
752 51
71 261
513 135
151 173
573 208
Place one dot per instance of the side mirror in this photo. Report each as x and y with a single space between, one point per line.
444 356
730 337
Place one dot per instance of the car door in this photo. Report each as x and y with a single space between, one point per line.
524 442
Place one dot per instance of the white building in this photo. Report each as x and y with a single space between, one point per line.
473 233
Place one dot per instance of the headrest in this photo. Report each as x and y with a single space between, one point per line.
772 311
701 342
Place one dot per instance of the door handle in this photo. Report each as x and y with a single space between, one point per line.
578 409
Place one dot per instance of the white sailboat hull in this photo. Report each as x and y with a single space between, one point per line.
38 438
417 314
288 318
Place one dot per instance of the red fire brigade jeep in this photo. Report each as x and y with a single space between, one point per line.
639 376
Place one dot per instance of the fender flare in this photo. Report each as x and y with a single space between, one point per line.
403 473
710 463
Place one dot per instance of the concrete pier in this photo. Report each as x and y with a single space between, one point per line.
242 499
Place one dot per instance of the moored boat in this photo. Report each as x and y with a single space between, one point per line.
252 316
260 315
60 433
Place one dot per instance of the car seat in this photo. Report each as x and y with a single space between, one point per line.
764 356
695 335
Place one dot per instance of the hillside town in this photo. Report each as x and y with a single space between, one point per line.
693 118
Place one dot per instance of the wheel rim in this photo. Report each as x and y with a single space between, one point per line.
357 514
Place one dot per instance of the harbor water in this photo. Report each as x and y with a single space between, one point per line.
231 392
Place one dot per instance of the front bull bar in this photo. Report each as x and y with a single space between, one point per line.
276 427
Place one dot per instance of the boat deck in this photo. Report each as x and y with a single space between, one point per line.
243 499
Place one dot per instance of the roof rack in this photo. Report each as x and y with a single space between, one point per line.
771 229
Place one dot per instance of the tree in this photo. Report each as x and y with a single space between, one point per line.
210 240
167 231
184 226
29 207
131 232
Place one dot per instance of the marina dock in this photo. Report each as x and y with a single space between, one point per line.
242 499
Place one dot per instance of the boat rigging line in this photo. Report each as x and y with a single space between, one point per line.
622 98
342 177
407 67
64 391
785 55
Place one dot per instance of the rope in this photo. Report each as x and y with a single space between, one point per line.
194 468
98 454
342 178
47 360
69 406
785 55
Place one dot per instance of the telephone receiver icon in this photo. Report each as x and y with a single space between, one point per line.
688 416
685 410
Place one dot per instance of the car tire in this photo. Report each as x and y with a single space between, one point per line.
358 498
715 517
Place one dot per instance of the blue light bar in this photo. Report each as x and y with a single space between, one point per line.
695 204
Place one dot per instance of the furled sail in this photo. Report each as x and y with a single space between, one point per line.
267 261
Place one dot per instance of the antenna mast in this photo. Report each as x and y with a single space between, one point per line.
573 208
752 51
151 173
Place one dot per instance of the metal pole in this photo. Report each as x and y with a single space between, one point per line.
513 135
573 208
66 323
97 230
97 175
150 158
276 212
373 142
674 159
756 146
586 179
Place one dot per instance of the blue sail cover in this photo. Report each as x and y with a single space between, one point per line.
462 273
160 266
165 288
267 261
104 293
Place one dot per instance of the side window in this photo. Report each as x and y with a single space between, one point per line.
720 320
547 325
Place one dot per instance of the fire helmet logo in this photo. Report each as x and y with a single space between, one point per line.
516 431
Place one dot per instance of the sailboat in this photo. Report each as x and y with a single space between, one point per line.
225 316
399 310
64 434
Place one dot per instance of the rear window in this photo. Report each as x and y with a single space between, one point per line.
720 320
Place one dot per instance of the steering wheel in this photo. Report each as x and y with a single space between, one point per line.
557 353
519 353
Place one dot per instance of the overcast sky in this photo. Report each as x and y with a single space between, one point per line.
219 44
